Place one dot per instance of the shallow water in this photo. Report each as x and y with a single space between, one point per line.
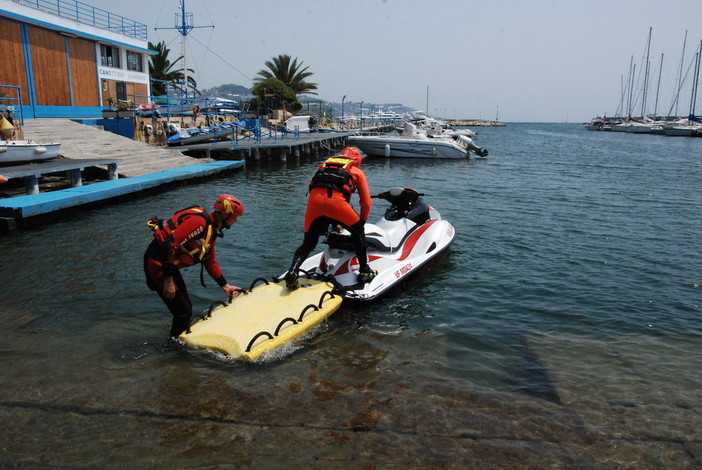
562 329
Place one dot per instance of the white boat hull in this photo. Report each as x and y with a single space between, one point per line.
26 151
641 129
383 146
682 131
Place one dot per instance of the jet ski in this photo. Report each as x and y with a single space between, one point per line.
410 234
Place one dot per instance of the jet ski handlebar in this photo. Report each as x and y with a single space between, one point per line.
398 195
405 203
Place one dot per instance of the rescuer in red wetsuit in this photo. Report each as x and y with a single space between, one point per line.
329 203
186 239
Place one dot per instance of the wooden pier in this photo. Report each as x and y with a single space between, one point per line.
31 172
130 166
80 141
278 147
127 167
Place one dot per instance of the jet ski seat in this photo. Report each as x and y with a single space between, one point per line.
373 240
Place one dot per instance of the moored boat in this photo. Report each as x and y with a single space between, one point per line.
26 151
200 135
414 144
601 124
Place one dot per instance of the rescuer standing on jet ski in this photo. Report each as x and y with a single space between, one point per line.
329 203
186 239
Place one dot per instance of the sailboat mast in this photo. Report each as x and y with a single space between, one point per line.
620 108
695 83
658 87
682 60
645 86
427 100
632 72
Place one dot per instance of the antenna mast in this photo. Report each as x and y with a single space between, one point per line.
184 24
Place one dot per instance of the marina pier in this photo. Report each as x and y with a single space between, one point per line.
121 166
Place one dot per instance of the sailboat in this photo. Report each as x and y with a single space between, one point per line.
692 127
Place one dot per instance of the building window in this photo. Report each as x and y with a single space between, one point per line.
134 61
109 56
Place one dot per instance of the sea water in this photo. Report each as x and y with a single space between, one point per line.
562 329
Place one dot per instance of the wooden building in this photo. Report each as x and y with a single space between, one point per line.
64 58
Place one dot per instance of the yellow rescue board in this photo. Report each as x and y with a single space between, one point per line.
264 318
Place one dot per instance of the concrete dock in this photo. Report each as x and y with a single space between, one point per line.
278 145
139 167
31 205
131 166
80 141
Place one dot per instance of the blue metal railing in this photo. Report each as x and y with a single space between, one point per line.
86 14
10 104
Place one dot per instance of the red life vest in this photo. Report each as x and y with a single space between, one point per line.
193 250
334 174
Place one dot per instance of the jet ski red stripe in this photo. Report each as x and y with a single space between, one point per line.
346 267
413 239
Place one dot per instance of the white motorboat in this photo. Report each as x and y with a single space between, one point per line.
414 144
26 151
601 124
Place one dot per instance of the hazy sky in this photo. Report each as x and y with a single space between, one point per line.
534 60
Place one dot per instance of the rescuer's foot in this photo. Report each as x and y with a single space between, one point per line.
366 274
291 280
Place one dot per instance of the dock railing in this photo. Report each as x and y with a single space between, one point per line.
90 15
11 106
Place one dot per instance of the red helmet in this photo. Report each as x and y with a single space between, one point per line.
353 153
228 204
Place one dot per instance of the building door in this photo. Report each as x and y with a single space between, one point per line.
104 92
122 91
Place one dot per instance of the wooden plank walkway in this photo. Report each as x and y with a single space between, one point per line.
140 167
79 141
287 140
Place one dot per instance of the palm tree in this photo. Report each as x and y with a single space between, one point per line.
160 68
289 72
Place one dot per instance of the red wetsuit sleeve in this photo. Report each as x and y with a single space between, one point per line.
363 192
213 268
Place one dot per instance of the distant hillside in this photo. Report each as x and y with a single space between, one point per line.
311 104
229 91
